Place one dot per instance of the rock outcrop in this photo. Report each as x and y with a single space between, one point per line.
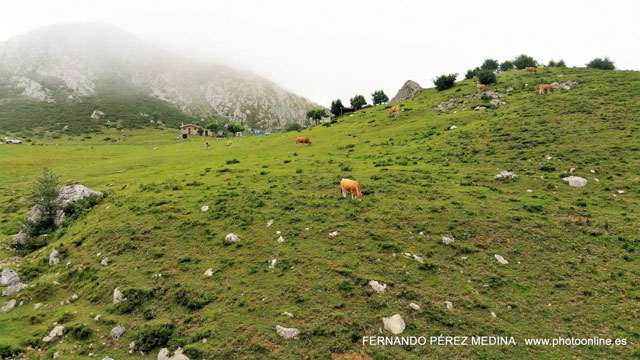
394 324
407 91
287 333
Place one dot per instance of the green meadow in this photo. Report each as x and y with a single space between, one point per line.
573 267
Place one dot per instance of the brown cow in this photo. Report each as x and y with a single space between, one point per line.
303 140
531 69
481 87
395 110
229 143
546 87
475 77
352 186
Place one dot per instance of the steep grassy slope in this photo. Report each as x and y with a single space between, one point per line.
573 266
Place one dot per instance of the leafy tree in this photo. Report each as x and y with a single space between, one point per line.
357 102
524 61
559 63
506 65
486 77
292 127
44 195
214 126
316 114
489 64
444 82
234 127
602 64
336 107
379 97
471 73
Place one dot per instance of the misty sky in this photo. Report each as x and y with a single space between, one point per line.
327 49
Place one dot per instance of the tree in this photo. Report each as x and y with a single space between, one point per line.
559 63
234 127
44 195
444 82
357 102
486 77
471 73
524 61
316 114
506 65
293 127
489 64
602 64
336 107
379 97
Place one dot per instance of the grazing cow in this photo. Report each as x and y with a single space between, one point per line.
531 69
395 110
229 143
545 87
303 140
540 67
481 87
352 186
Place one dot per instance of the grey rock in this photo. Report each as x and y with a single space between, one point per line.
448 305
117 331
287 333
575 181
8 306
9 277
447 240
231 238
117 296
394 324
414 306
377 287
407 91
500 259
54 333
177 355
12 289
53 257
208 272
506 175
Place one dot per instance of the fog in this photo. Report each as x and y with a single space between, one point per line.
324 50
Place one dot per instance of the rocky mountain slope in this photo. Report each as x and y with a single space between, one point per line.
63 64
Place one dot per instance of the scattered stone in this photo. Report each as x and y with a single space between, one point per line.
231 238
529 190
280 239
177 355
117 331
572 170
9 277
97 318
132 346
54 333
121 171
107 358
272 263
448 305
37 306
377 287
209 272
287 333
97 114
56 355
620 191
204 208
506 175
12 289
407 91
453 127
333 234
286 313
493 315
414 306
270 222
394 324
104 261
8 306
74 297
53 257
117 296
479 108
575 181
500 259
447 240
592 171
414 257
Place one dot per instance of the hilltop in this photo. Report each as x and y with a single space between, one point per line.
68 68
570 264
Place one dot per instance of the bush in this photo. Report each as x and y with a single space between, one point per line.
444 82
559 63
489 64
234 127
80 332
44 195
471 73
153 336
292 127
602 64
486 77
506 66
524 61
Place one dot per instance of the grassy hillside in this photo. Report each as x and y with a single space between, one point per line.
573 264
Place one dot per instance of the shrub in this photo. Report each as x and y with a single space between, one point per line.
358 101
80 332
523 61
559 63
486 77
292 127
44 195
471 73
489 64
234 127
379 97
153 336
506 65
602 64
444 82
